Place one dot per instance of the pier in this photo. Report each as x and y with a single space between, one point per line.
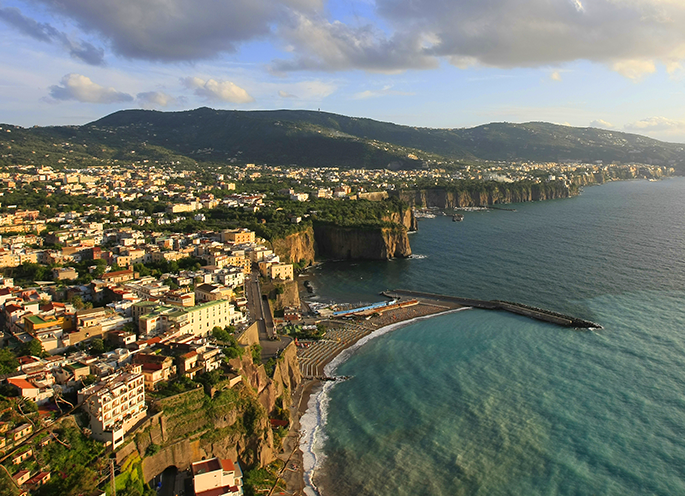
507 306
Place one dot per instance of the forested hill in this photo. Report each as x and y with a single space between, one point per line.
310 138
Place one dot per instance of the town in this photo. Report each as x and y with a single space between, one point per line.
126 284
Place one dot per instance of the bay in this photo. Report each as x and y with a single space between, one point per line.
480 402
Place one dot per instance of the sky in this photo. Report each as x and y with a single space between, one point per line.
613 64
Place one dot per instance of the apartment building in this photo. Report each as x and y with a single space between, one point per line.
115 405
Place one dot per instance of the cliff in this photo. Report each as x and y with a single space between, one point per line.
480 194
388 240
296 247
358 243
231 423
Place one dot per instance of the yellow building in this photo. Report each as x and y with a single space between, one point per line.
237 236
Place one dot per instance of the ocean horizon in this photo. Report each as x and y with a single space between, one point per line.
483 402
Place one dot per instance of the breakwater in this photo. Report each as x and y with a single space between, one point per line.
507 306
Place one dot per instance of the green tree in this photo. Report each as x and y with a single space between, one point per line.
32 348
8 362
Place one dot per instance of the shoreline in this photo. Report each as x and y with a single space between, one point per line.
309 401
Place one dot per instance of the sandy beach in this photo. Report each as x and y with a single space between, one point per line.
341 335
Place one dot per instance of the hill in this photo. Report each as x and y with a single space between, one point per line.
311 138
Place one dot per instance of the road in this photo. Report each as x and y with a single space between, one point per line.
260 312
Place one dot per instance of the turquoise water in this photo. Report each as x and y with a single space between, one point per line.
479 402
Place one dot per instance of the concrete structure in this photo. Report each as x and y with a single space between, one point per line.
217 477
115 405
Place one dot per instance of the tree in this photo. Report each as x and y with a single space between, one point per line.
32 348
220 334
97 347
77 301
8 362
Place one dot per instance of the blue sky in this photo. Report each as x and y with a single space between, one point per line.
432 63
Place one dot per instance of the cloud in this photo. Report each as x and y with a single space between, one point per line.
657 124
333 46
385 91
630 37
82 89
555 76
155 99
221 91
177 30
634 69
41 31
284 94
601 124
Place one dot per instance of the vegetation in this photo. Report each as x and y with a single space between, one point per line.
312 139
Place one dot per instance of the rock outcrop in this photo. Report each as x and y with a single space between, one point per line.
296 247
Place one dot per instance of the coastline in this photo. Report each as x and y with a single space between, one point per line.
311 397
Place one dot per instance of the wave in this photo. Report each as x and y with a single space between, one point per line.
415 256
312 435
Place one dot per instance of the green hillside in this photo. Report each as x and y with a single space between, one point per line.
310 138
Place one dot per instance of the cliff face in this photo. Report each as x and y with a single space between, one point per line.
356 243
296 247
349 242
233 423
444 198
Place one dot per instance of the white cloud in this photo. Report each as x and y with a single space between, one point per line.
285 94
555 76
221 91
385 91
601 123
155 99
81 88
658 124
634 69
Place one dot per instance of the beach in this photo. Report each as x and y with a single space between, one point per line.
320 359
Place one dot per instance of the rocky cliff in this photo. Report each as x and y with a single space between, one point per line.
357 243
486 194
231 423
338 242
296 247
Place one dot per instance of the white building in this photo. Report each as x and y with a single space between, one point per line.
217 477
115 405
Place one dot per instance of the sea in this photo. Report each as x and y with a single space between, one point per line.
481 402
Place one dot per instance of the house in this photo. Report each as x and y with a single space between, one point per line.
64 273
39 479
155 368
19 433
281 272
217 477
22 456
21 477
26 389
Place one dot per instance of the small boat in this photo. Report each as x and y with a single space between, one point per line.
457 217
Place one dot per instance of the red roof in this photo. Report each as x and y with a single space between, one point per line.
21 383
227 465
219 491
12 308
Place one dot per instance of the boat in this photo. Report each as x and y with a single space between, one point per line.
457 217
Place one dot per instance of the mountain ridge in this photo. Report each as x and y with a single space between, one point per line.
314 138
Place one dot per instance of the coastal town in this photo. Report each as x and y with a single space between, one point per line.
122 288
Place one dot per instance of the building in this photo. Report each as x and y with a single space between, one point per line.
237 236
64 273
115 405
19 433
282 272
198 320
217 477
